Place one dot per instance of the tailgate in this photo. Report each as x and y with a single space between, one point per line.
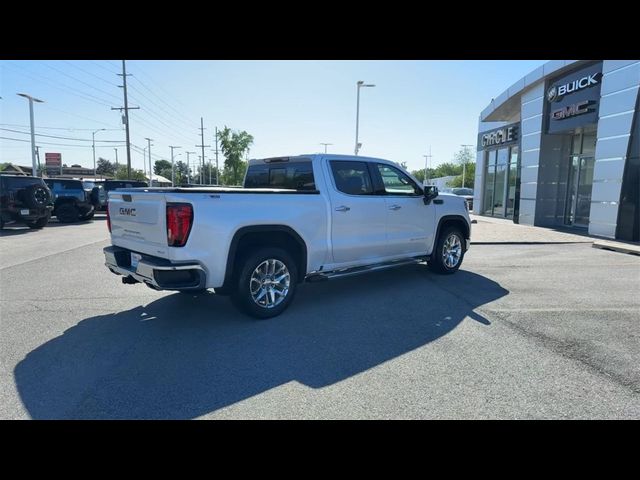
138 221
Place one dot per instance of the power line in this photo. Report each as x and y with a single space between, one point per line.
84 95
80 81
89 73
57 144
52 128
61 138
151 80
171 115
103 67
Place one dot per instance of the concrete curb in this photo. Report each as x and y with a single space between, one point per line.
617 247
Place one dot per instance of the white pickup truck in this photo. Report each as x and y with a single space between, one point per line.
308 217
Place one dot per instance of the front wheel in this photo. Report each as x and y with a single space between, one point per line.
38 224
265 283
449 252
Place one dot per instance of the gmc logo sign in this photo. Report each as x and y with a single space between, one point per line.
573 110
131 212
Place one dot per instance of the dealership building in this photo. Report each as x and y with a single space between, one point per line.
560 148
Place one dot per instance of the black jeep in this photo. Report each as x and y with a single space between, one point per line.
24 199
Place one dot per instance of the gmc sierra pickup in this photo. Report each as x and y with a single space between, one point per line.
309 217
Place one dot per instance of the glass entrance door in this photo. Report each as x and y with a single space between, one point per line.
579 190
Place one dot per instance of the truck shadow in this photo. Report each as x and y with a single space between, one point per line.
183 357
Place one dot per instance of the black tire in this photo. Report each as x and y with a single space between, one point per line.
67 213
437 261
88 216
241 295
38 224
37 196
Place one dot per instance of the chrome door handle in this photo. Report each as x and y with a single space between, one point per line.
342 208
395 207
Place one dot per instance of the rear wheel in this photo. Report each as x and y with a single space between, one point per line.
449 252
266 283
67 213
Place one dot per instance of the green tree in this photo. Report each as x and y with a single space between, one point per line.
208 168
234 145
121 174
446 169
105 167
4 165
469 177
465 162
182 172
160 166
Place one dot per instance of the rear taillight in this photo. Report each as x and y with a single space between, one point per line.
179 221
108 218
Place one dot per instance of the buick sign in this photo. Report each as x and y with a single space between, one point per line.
556 92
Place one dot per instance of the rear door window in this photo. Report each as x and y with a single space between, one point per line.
352 178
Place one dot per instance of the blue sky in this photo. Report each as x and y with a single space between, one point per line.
290 107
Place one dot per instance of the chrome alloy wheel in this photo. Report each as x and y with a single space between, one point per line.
452 251
269 284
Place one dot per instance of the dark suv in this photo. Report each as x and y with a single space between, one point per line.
107 185
73 200
25 200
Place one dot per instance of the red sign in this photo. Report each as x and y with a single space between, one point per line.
53 159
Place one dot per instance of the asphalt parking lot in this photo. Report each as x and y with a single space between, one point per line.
524 330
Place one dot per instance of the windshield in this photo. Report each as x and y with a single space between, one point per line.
88 185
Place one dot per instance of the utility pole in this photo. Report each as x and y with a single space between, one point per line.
173 173
217 167
464 163
31 99
427 158
188 176
126 108
150 169
117 158
202 129
201 170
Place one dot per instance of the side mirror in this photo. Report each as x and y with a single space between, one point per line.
430 192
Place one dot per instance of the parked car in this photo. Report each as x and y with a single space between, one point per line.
467 193
105 186
73 200
24 199
310 217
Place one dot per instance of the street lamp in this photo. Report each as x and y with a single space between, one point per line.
360 84
173 173
325 146
464 164
94 150
33 133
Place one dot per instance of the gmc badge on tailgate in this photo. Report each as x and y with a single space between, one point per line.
131 212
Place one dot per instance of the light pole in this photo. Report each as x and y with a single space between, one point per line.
173 173
94 150
33 132
325 145
426 166
150 169
188 176
360 84
464 163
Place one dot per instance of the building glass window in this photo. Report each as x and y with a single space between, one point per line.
500 182
489 180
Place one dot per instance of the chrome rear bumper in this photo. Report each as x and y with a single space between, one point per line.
157 273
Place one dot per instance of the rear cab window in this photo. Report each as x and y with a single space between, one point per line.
295 175
64 184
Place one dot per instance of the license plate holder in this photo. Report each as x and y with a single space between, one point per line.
135 259
24 211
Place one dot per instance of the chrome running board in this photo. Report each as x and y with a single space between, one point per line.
319 276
